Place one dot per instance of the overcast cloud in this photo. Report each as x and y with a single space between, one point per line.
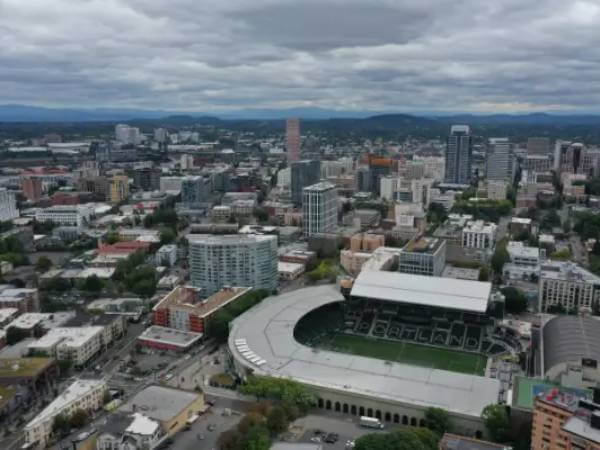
379 55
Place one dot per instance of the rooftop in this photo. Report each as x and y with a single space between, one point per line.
183 297
23 367
7 313
320 187
211 239
455 442
169 336
465 295
142 425
267 330
461 273
69 336
27 321
160 402
423 245
527 389
567 270
75 391
582 428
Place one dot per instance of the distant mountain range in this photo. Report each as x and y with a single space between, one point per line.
361 119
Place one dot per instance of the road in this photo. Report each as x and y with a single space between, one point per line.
579 252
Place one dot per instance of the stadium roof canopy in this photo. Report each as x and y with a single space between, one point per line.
464 295
570 339
262 339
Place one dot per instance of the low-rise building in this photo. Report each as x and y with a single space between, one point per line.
35 374
132 308
164 338
87 395
478 234
7 315
496 189
523 255
520 225
289 271
23 299
184 309
168 406
76 215
124 431
76 344
455 442
423 256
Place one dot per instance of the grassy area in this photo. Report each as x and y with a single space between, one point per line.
23 367
414 354
6 394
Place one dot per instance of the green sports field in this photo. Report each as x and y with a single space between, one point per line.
414 354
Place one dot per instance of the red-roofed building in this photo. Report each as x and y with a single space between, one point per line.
123 248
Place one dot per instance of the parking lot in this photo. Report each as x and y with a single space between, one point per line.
204 433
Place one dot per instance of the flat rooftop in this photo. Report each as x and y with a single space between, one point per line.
169 336
267 330
183 297
7 313
69 336
23 367
439 292
27 321
160 402
423 245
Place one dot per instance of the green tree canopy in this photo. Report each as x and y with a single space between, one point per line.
438 420
496 421
43 264
515 300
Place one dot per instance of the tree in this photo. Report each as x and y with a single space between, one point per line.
79 418
484 274
93 284
438 420
500 257
112 237
277 421
230 440
60 424
515 300
167 235
496 421
261 214
258 439
43 264
15 335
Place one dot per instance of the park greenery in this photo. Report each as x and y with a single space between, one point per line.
288 392
483 209
43 264
436 214
219 324
135 276
13 251
62 423
161 216
500 256
409 438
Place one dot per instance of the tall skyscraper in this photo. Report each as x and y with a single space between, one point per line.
292 136
500 160
32 188
459 153
119 188
233 260
538 146
303 173
195 190
319 208
8 205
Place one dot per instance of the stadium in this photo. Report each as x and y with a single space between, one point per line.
390 348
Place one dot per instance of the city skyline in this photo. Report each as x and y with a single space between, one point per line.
415 57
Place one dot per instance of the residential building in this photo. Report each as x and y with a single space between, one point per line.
479 235
119 188
233 260
353 262
389 185
64 215
565 419
23 299
166 255
195 191
290 271
501 164
8 205
565 284
185 309
522 255
87 395
292 136
319 208
538 146
303 173
433 166
537 163
75 344
32 188
7 315
459 154
423 256
284 178
168 406
366 218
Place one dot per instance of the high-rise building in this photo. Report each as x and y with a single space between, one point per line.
362 178
119 188
127 135
233 260
501 164
538 146
459 153
195 191
379 167
319 208
292 137
160 135
303 173
8 205
147 179
32 188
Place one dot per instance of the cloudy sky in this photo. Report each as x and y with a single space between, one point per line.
377 55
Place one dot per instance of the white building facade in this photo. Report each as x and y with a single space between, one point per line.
319 208
479 235
8 206
78 215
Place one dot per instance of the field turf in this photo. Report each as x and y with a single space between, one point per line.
414 354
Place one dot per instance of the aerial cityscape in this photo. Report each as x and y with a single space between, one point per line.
299 225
